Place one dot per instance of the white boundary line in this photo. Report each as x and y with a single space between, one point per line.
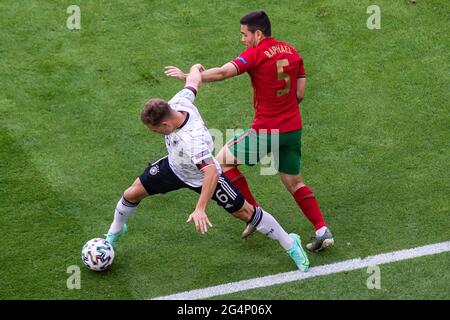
323 270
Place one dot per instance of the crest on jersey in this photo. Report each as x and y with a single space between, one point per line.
154 170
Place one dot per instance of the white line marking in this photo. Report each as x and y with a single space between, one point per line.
347 265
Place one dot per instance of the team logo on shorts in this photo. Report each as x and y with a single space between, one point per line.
153 170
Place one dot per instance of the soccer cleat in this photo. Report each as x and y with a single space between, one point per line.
248 231
298 254
320 243
113 237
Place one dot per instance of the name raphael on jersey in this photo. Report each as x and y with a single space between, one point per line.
277 49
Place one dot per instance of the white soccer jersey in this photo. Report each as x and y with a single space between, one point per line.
189 145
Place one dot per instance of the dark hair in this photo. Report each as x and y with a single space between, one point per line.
257 20
155 111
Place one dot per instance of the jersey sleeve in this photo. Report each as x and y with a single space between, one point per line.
301 69
185 95
203 158
245 61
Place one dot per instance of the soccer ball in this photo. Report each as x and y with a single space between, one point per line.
97 254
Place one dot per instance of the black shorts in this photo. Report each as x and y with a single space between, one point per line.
158 178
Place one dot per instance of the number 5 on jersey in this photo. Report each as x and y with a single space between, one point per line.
283 76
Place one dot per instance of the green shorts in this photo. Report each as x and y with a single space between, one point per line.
250 147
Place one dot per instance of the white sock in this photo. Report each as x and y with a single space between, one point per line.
267 225
321 231
124 210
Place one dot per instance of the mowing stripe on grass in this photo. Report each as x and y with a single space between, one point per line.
285 277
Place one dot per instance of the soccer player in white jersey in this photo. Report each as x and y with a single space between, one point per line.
190 164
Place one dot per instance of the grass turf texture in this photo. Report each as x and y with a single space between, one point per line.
375 143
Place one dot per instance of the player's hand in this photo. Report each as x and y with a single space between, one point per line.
174 72
199 67
201 220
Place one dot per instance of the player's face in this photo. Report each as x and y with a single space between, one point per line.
248 37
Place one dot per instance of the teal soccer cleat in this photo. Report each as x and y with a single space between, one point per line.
298 254
113 237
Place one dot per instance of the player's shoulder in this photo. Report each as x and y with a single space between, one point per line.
248 54
183 95
194 114
194 126
182 101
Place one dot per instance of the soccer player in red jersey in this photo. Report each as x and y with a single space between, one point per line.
278 79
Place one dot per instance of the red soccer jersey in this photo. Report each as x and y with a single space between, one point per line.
274 67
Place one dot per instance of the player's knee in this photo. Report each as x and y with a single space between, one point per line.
129 194
245 213
293 183
135 193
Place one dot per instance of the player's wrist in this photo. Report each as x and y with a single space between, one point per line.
201 207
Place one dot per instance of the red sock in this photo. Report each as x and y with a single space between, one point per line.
307 202
236 177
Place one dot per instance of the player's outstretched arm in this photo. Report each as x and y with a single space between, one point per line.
226 71
194 78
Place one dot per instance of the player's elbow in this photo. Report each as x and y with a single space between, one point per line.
300 96
211 172
215 174
212 177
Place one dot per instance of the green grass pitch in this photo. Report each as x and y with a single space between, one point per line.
375 145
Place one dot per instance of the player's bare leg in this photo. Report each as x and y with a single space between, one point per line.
136 192
307 202
262 221
229 167
126 206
